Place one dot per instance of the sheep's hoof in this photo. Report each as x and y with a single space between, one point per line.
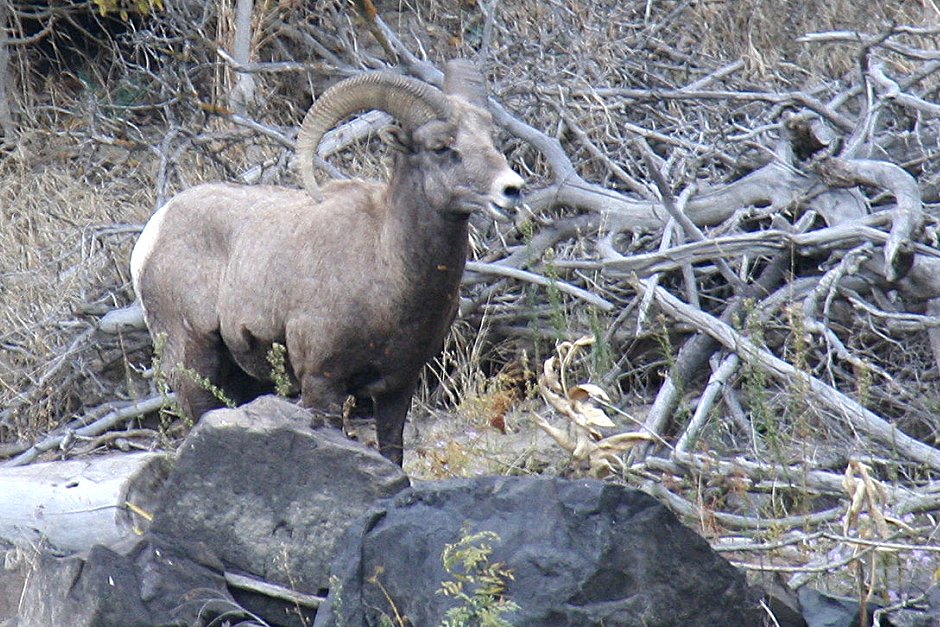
326 418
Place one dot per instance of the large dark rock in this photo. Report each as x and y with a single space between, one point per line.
581 553
255 491
14 572
269 494
825 610
151 583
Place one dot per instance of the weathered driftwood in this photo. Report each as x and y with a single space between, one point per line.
81 428
841 405
70 506
821 201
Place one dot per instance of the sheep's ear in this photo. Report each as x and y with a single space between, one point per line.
397 138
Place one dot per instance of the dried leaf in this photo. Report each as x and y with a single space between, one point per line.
624 441
605 464
586 391
555 400
585 447
856 492
587 415
866 494
585 340
559 435
569 350
550 376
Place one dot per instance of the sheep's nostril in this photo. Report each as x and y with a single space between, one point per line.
506 189
512 193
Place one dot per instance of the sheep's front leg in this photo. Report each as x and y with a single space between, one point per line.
391 409
320 395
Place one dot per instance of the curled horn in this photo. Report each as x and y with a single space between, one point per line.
463 78
410 101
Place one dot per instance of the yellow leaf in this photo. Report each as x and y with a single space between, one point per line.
585 447
549 375
585 340
587 390
556 434
624 441
591 415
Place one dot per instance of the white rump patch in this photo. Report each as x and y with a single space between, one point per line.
145 245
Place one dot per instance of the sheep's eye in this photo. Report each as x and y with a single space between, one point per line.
443 149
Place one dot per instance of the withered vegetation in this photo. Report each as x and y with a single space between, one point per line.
738 201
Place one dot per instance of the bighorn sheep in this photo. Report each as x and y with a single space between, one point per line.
358 280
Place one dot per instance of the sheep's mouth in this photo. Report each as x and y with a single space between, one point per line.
496 212
482 204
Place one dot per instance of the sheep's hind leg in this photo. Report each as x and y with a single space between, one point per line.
391 409
238 385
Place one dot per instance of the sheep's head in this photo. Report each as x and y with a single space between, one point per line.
448 137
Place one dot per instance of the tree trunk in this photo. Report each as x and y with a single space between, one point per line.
73 505
244 92
7 125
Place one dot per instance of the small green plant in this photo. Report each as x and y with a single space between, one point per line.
864 379
159 375
756 381
662 336
277 357
336 588
171 409
283 562
799 389
477 584
602 354
207 385
557 313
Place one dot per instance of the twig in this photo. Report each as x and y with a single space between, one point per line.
676 211
882 544
716 383
824 566
684 507
905 219
273 591
97 427
757 243
735 546
531 277
892 91
597 153
868 40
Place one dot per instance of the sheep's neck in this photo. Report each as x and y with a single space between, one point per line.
430 249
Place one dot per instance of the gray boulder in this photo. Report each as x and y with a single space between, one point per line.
580 552
151 583
269 494
255 493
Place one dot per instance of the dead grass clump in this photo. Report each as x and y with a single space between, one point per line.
765 32
64 243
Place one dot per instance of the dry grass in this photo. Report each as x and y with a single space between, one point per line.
69 205
764 32
64 243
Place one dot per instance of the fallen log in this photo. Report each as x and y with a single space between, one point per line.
70 506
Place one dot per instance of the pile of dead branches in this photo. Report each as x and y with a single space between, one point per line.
751 242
